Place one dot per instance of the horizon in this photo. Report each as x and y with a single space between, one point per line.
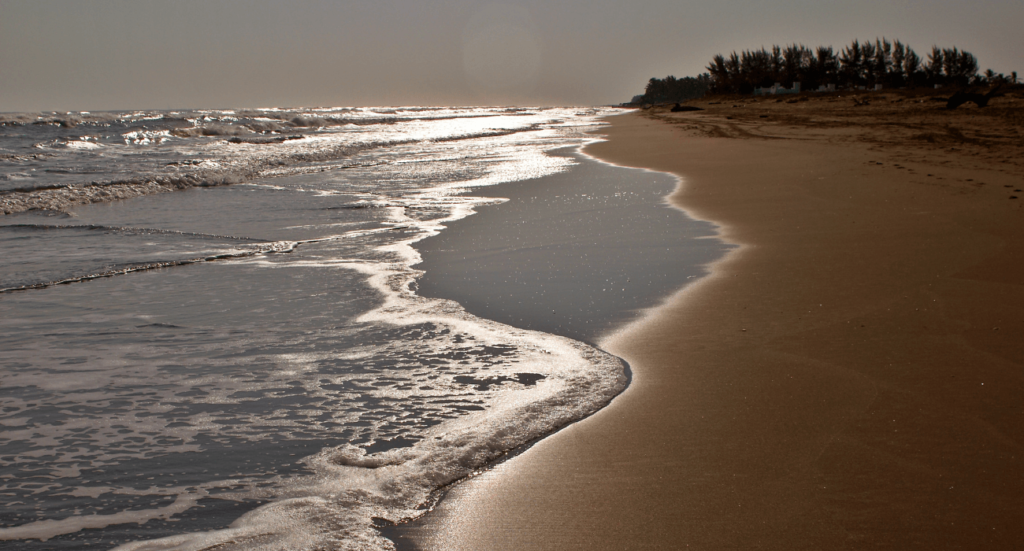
111 55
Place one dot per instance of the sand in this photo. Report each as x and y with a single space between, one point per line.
851 376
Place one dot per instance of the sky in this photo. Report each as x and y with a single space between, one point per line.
142 54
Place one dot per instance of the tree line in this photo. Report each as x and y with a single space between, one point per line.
861 64
891 64
673 90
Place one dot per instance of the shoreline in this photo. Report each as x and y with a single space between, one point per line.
755 419
537 261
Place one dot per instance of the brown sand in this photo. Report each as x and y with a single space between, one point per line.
852 377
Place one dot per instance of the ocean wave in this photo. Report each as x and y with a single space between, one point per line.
352 490
536 384
83 143
125 230
211 130
249 248
257 120
15 176
61 198
146 137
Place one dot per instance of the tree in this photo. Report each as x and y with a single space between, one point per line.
933 70
826 67
719 74
777 63
882 61
912 67
852 61
792 64
734 69
898 77
868 51
893 64
673 90
960 67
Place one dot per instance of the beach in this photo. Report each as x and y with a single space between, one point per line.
784 323
849 376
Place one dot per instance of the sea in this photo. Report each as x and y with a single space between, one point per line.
212 333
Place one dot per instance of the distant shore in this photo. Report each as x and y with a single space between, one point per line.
849 377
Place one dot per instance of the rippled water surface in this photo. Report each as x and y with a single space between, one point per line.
245 365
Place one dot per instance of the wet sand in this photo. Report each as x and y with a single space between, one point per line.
576 254
849 377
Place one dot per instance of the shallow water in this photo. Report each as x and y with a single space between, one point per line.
578 254
247 365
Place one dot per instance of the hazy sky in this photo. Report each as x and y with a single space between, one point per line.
110 54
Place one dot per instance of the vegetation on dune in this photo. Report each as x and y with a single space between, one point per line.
890 64
671 89
861 64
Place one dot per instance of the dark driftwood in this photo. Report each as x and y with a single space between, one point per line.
677 108
963 96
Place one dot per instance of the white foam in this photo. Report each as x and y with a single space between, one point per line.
46 529
82 144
